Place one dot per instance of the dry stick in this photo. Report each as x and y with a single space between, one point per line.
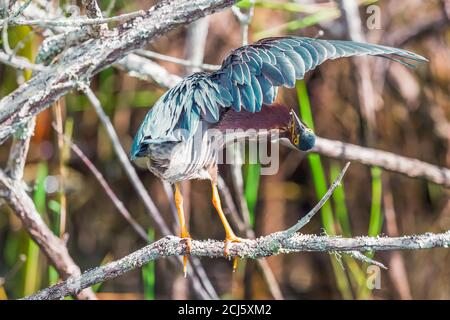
147 70
19 62
231 209
135 181
57 113
244 20
72 22
305 220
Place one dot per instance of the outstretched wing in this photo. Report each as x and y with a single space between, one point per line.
249 77
251 74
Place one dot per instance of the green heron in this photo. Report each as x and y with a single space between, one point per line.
240 95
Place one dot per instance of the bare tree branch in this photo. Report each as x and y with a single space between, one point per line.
73 22
389 161
272 244
303 221
19 62
197 33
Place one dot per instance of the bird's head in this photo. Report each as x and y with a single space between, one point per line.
300 136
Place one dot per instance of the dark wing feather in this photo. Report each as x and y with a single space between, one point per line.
249 78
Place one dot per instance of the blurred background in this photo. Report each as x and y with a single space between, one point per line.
369 102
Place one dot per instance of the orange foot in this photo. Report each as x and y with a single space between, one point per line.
228 240
187 241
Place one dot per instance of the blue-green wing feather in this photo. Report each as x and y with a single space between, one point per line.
249 77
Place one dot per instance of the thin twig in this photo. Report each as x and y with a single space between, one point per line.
303 221
73 22
93 11
196 44
244 19
19 62
359 256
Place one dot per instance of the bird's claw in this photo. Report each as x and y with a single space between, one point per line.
229 240
187 241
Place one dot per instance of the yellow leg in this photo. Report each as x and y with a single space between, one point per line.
184 232
229 234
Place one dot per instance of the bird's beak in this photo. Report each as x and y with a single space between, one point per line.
298 122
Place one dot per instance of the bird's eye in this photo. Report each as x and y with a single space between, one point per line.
296 140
